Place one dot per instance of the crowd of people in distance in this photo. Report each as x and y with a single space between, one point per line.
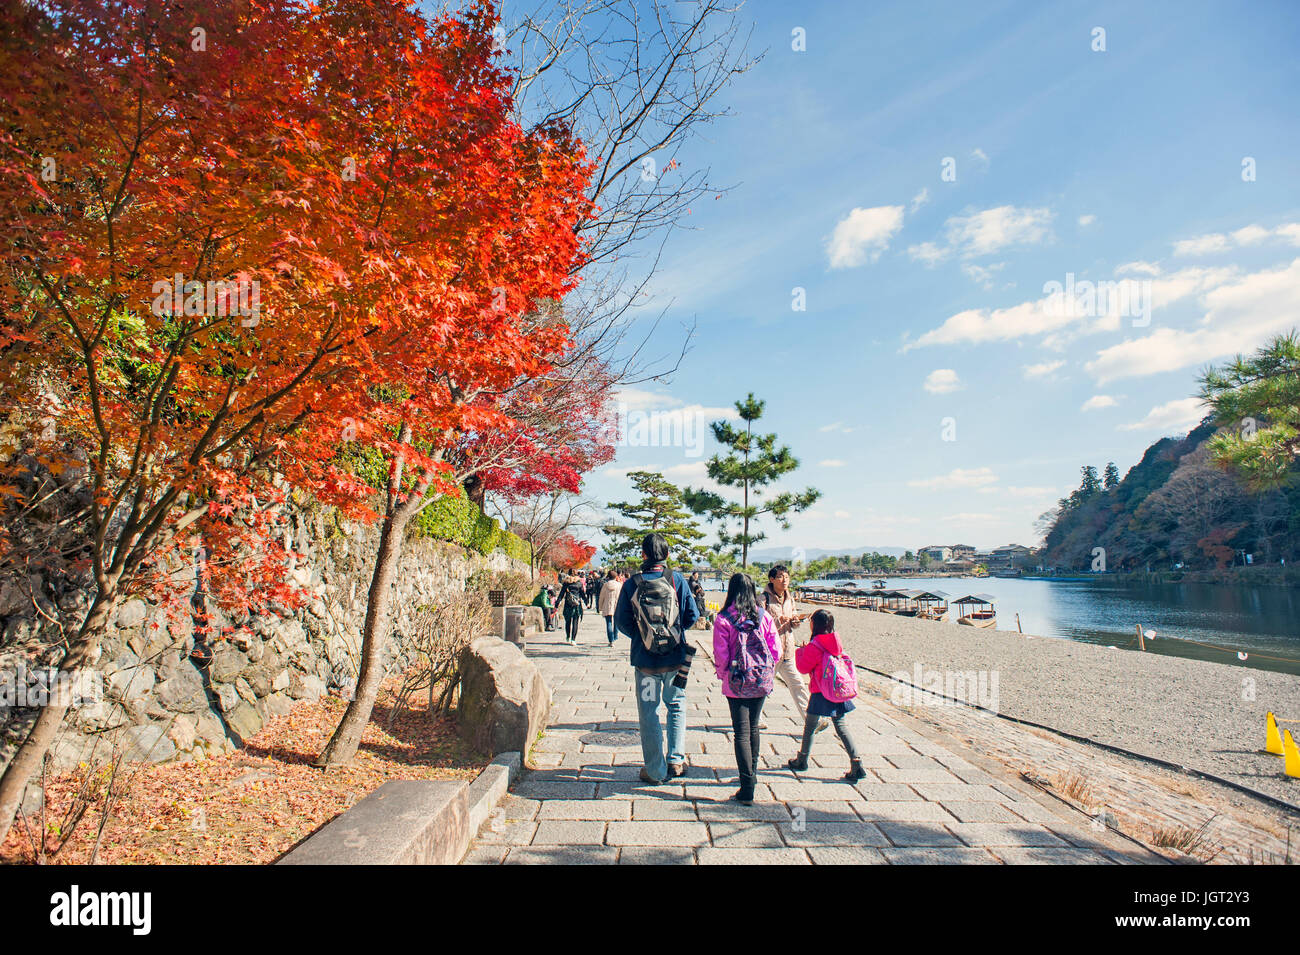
755 641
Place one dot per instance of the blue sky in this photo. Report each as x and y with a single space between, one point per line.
926 299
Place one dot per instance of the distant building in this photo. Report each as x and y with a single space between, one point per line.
1006 557
938 554
963 552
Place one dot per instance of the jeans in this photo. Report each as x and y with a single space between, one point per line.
571 621
609 628
650 688
841 730
745 717
793 679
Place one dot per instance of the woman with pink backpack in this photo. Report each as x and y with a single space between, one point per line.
746 649
834 684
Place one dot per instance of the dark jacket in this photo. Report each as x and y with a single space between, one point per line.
625 621
572 587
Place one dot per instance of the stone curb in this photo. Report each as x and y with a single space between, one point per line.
403 822
489 787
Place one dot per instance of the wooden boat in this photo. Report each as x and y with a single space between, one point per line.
931 604
976 610
901 603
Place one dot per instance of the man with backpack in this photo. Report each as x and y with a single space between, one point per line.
655 609
571 600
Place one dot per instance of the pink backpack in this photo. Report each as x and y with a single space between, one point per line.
839 677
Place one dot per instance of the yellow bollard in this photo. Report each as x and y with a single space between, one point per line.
1272 738
1291 754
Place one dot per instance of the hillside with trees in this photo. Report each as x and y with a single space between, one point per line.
1205 501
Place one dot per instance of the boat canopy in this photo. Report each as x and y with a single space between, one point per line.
975 599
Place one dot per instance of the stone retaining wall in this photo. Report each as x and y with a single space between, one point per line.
158 704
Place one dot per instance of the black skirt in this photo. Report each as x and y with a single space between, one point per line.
818 705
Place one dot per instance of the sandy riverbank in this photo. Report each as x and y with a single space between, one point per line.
1188 711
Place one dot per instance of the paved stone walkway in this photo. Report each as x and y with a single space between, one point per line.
1143 801
926 798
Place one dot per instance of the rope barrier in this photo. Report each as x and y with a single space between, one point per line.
1109 747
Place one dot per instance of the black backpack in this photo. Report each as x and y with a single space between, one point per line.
572 597
657 612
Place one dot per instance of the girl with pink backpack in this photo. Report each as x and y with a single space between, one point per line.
746 649
834 684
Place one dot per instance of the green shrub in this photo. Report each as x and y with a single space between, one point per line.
459 520
454 519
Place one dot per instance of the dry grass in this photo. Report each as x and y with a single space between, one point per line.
250 806
1075 786
1193 842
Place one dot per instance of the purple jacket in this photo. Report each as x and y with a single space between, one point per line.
724 643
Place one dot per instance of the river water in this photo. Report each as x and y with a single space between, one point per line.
1262 622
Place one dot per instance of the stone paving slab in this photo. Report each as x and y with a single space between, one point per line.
925 801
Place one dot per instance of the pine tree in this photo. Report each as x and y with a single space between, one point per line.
1111 478
1257 401
754 462
660 510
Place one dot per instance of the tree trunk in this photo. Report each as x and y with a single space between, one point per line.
27 761
343 744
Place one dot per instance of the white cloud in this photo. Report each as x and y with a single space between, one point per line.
862 235
958 478
927 252
1087 220
1138 268
1241 315
941 381
984 233
644 400
1031 491
1097 402
981 275
970 516
1250 235
920 199
695 470
1202 245
1042 369
980 156
1245 236
831 463
842 515
836 426
1180 415
1055 314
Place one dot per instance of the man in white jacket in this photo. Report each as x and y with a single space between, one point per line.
779 602
608 600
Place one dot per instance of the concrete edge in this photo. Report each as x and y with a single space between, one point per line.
488 789
403 822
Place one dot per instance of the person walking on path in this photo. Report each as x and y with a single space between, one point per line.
779 602
834 684
746 650
655 609
571 599
592 585
543 600
697 591
607 601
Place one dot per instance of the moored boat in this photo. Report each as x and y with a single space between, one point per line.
976 610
